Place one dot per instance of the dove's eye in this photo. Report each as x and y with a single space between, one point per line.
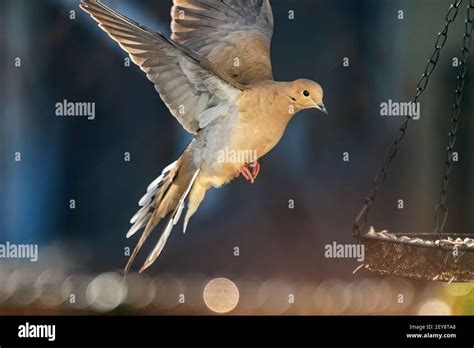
306 93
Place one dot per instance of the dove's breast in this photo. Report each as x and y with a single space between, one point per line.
264 114
255 125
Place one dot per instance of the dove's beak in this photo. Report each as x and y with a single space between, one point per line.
320 106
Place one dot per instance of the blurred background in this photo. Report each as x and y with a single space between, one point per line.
64 55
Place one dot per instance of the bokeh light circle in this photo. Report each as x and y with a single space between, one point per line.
221 295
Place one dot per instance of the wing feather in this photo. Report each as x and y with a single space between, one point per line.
234 34
183 78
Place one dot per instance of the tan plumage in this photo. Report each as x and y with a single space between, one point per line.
227 106
235 35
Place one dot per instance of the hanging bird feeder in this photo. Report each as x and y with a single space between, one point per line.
438 255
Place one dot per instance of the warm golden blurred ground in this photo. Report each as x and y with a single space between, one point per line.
24 291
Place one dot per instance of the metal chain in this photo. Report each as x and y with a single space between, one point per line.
441 210
381 175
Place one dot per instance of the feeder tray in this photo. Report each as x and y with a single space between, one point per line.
419 255
437 255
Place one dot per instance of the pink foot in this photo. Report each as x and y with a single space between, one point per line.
251 175
255 169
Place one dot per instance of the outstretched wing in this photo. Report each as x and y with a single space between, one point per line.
195 90
234 34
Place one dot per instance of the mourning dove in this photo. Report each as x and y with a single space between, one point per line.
215 76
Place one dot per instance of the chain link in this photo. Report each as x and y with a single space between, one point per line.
441 210
381 175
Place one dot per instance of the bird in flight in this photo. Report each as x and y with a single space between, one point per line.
215 76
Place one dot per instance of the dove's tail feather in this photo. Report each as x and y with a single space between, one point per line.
165 196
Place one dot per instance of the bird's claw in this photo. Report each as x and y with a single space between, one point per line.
251 175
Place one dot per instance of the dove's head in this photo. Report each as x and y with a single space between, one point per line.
306 94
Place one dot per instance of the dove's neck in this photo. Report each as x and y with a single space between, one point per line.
286 98
271 100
